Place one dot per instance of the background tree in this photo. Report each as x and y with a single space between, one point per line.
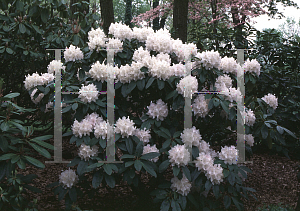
180 13
107 14
290 29
128 14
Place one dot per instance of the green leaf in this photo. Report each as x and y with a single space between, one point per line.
138 165
20 6
163 166
175 206
34 162
66 109
139 149
107 169
3 144
187 173
9 51
216 191
127 156
236 203
21 164
150 81
97 179
22 28
150 155
129 145
171 94
15 158
110 180
75 40
75 106
7 156
149 169
227 202
165 205
62 193
81 74
93 166
129 163
225 172
166 131
42 138
182 202
12 95
162 134
176 171
45 15
41 150
141 84
131 86
226 109
289 132
73 194
210 104
245 169
166 144
193 200
208 185
81 168
264 132
161 84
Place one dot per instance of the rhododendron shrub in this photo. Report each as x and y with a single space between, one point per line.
150 87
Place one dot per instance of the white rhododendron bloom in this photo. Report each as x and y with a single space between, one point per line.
49 106
223 79
158 110
204 161
191 136
93 118
96 33
39 97
249 117
68 178
82 128
125 127
114 44
160 41
143 56
144 135
103 130
47 78
252 66
96 43
33 80
200 106
203 146
229 65
85 151
159 69
271 100
179 155
215 174
141 34
99 71
249 139
182 186
125 74
55 65
187 86
178 70
88 93
178 49
164 57
73 53
190 49
209 59
232 94
147 149
120 31
229 155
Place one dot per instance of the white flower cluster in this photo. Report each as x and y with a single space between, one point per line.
229 155
120 31
68 178
38 99
181 49
160 41
88 93
143 56
204 161
223 80
141 34
35 80
55 65
73 53
49 106
103 129
232 94
215 174
200 106
114 44
99 71
164 57
271 100
144 135
182 186
252 66
249 139
127 73
159 69
96 39
203 146
191 136
82 128
187 86
125 127
85 152
229 65
147 149
249 117
178 70
209 59
158 110
179 155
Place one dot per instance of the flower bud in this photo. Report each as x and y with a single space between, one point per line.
4 23
25 17
20 19
15 19
58 32
84 12
60 24
6 44
69 21
30 21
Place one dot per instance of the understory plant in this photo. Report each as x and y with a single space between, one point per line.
155 139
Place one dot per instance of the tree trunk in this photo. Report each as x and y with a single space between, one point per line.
155 20
128 13
214 15
180 12
107 14
240 41
162 22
